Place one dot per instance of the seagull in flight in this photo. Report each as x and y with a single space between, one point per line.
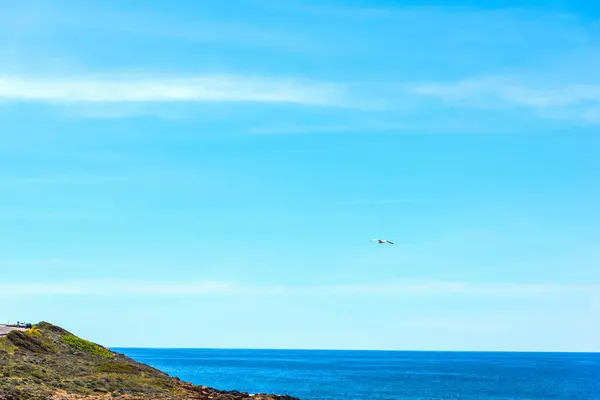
382 241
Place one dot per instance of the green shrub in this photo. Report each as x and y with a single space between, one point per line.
7 346
28 342
117 368
84 345
48 327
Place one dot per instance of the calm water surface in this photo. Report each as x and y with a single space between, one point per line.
345 375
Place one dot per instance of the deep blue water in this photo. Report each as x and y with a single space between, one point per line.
320 375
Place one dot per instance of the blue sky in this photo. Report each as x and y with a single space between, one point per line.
215 171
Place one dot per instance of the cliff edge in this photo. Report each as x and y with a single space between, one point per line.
47 362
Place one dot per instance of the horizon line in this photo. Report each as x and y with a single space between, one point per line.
357 350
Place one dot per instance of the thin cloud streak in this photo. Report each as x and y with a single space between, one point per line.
544 98
207 29
218 288
118 288
579 101
346 128
487 91
44 216
373 202
201 88
61 180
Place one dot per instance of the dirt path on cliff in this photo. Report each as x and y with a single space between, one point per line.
5 329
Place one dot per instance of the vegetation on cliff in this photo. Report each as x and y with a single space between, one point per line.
47 362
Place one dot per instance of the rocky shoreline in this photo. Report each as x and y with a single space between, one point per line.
47 362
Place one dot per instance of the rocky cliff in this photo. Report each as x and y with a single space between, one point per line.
47 362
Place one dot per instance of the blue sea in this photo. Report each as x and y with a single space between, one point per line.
381 375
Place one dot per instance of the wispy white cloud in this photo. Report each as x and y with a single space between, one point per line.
414 116
27 263
41 216
578 101
303 129
347 127
37 19
502 91
198 288
398 106
451 288
373 202
209 30
202 88
493 39
68 179
326 10
117 288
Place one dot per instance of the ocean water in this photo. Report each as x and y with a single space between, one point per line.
380 375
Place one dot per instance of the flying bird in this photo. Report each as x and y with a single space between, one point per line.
382 241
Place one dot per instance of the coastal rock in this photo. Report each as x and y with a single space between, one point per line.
47 362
